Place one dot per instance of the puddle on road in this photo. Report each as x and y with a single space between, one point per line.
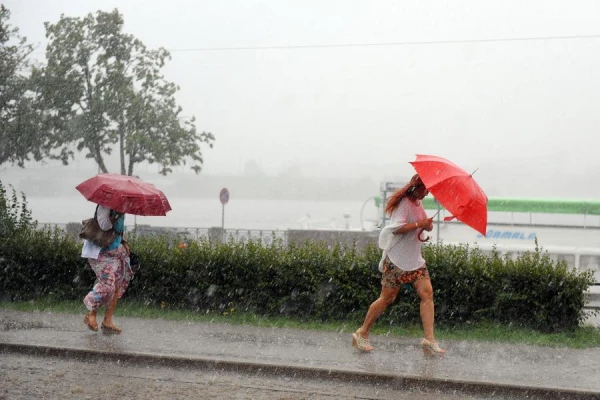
12 325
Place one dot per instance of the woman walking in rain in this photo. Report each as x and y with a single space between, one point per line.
112 269
402 263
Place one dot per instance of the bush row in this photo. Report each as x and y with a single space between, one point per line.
309 280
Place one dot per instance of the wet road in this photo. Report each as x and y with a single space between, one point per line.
397 366
31 377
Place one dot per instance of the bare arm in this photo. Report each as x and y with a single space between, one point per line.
426 224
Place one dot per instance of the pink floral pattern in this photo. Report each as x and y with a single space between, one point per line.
113 274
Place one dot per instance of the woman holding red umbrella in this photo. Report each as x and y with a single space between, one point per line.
111 264
112 268
402 263
130 195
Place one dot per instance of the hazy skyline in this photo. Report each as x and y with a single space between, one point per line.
521 111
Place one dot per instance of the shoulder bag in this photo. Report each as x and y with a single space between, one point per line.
91 231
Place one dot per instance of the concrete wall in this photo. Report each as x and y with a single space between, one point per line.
361 238
298 236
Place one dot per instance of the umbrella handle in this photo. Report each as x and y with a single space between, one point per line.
421 239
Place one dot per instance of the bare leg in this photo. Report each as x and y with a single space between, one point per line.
425 292
387 297
110 310
90 320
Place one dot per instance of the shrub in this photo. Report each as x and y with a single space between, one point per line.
310 280
33 262
530 291
14 214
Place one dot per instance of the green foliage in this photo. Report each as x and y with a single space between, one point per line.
36 262
309 281
103 89
302 281
531 290
20 138
15 217
43 263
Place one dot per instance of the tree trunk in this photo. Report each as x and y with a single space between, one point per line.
122 149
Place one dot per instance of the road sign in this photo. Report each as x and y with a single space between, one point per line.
224 196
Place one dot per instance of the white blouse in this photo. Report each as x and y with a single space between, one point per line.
406 253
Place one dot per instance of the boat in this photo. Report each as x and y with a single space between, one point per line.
566 229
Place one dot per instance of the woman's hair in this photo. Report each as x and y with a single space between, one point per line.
405 191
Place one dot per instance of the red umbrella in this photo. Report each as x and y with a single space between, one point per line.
125 194
455 189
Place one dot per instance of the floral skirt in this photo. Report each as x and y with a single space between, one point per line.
394 277
113 274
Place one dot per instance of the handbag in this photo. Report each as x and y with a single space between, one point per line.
90 230
134 260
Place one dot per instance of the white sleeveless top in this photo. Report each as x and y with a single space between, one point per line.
406 253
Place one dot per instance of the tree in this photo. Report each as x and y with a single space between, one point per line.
104 88
19 136
14 214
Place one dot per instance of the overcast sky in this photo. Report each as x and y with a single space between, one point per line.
519 110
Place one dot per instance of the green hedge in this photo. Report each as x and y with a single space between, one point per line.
309 280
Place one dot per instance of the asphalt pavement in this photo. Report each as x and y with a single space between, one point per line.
471 367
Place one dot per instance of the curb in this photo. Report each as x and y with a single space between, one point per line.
403 382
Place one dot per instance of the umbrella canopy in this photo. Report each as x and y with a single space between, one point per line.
455 189
125 194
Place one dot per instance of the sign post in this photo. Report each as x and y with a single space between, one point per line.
224 197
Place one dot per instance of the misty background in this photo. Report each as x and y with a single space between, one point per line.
323 100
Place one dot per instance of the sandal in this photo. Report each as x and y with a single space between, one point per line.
86 321
360 342
432 348
110 329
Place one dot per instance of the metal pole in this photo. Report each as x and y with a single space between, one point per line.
383 200
223 218
362 223
438 222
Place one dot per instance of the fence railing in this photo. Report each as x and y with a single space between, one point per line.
264 236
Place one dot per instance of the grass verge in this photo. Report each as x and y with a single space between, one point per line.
580 338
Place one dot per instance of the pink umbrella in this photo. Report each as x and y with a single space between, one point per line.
125 194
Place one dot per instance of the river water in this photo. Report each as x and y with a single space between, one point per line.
266 214
205 213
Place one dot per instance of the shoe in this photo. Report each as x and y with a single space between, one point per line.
432 348
86 321
110 329
361 343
